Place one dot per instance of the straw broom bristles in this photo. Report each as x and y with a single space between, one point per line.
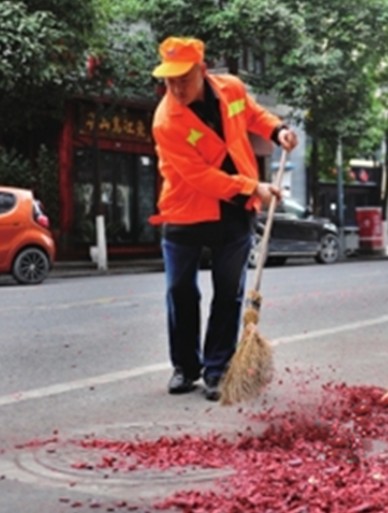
251 367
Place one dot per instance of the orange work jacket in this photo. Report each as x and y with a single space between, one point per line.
190 153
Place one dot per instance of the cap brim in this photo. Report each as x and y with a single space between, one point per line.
172 69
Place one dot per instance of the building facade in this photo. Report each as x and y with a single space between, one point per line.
107 167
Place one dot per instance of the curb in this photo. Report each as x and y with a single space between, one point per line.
84 268
72 269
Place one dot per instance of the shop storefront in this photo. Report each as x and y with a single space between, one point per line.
108 167
364 187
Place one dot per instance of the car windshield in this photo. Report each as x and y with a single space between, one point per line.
291 207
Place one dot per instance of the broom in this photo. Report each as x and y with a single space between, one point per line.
251 367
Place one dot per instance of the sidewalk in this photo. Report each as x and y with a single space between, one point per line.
68 269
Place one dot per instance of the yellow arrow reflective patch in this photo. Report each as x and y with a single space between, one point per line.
194 136
236 107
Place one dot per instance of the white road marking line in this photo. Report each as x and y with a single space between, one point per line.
331 331
102 301
112 377
61 388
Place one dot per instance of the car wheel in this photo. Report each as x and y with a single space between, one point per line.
329 249
31 266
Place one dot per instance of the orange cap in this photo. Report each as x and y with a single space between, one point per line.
178 55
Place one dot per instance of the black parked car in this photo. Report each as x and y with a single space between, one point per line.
296 233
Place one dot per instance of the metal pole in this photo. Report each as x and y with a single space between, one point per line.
384 186
340 198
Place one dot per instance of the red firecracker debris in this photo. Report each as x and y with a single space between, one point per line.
329 458
303 461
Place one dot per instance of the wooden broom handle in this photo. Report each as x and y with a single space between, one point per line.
268 225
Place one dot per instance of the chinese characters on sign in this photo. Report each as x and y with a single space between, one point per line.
119 123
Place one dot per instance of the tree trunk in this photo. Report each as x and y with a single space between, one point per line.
232 64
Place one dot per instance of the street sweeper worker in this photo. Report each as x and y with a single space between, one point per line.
209 195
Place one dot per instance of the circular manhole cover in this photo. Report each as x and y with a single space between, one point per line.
96 462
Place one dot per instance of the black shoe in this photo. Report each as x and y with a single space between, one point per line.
179 383
212 388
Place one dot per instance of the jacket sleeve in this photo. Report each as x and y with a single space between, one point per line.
259 120
179 160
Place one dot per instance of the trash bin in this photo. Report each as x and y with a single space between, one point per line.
370 225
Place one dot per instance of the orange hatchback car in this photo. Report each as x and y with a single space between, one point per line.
27 248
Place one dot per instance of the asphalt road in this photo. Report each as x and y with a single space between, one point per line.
87 355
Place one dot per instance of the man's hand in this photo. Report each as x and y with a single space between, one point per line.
287 139
265 191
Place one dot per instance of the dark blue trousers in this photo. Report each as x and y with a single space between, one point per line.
228 274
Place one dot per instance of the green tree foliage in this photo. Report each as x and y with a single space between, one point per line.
27 41
118 67
18 171
229 27
15 169
334 69
332 76
40 40
120 53
40 43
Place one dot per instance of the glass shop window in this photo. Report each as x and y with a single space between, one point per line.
127 196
